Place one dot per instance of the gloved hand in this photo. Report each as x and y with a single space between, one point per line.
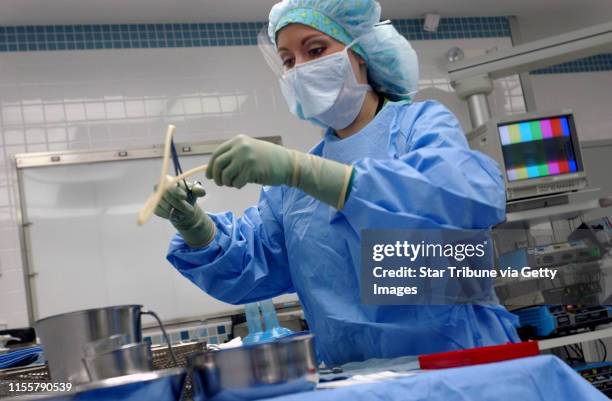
243 160
196 228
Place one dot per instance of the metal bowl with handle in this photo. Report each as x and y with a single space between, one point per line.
284 366
124 360
66 337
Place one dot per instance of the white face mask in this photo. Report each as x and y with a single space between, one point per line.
325 91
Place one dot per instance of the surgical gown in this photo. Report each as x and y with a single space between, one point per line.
412 169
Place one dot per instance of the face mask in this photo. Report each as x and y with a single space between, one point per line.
325 91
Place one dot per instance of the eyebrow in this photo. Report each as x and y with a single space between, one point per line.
306 39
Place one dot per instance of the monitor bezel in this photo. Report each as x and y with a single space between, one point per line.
495 146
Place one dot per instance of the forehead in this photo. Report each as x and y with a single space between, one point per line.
292 35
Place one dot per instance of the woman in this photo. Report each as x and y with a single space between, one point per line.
384 162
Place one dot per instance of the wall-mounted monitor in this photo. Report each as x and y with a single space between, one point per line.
539 154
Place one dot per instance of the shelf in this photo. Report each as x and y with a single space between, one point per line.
575 338
559 212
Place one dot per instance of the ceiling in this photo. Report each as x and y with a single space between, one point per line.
36 12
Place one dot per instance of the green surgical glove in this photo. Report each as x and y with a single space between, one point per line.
243 160
196 228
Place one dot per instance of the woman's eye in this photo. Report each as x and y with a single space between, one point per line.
316 51
288 63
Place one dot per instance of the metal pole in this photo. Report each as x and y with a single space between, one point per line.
24 244
478 107
474 91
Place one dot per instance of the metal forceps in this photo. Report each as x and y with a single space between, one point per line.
178 170
165 181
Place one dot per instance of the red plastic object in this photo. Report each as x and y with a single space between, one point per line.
477 356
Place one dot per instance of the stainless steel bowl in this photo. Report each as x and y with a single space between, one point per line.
68 338
125 360
252 372
105 345
162 385
64 337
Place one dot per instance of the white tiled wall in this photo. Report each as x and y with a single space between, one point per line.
589 95
125 98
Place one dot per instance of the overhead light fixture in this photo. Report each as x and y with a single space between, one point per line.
455 54
432 21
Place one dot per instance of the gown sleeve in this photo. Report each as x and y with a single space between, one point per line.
434 179
246 261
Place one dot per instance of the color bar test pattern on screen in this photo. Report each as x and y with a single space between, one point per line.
538 148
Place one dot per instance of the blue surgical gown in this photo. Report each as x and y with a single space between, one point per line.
412 169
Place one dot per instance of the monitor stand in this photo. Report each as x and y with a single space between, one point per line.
527 212
537 203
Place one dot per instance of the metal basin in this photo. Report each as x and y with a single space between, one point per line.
287 365
64 337
162 385
125 360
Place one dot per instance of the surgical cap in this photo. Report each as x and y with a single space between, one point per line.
392 63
